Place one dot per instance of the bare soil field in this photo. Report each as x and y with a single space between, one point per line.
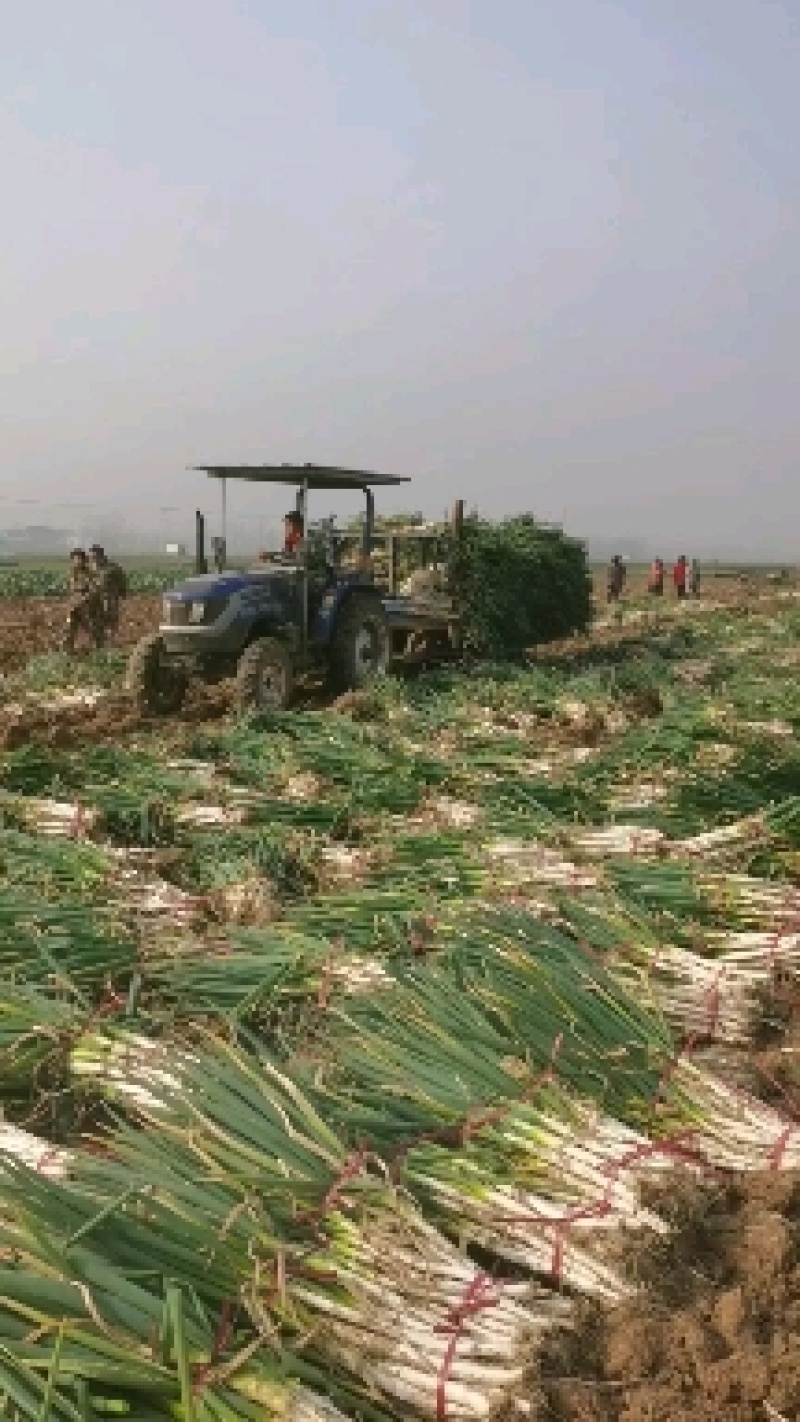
718 1337
33 627
714 1336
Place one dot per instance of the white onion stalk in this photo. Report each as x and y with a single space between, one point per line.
55 818
617 839
456 813
38 1155
344 863
288 1402
533 863
756 951
128 1067
737 1131
198 769
722 838
155 898
361 975
641 795
211 816
66 699
404 1282
716 996
529 1230
582 1177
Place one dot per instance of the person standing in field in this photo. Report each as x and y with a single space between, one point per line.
679 576
112 583
86 612
656 583
616 578
694 578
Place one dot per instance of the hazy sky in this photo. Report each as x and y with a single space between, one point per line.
541 253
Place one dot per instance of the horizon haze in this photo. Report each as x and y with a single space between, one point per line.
540 257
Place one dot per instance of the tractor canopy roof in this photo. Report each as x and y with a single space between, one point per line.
314 476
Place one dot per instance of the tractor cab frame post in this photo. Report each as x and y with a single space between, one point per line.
369 523
200 564
302 509
223 486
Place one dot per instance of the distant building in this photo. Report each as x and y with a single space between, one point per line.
176 550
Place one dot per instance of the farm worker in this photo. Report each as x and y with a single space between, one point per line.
616 578
679 575
86 611
112 583
656 583
293 532
694 578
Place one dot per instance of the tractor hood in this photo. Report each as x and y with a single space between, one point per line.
219 586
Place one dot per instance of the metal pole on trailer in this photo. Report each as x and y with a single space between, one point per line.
302 499
200 565
224 494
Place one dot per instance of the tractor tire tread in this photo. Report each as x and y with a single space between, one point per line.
359 606
141 679
249 672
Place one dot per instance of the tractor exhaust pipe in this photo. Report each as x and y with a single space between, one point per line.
457 531
200 564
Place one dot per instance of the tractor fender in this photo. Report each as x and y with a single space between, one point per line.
333 604
264 627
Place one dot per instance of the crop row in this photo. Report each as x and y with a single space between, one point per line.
336 1049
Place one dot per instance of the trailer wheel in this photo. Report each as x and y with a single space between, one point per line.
265 677
156 688
360 645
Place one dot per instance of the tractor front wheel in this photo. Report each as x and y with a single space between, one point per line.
156 688
265 677
360 645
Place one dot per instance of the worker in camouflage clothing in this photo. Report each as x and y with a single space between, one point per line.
86 603
112 583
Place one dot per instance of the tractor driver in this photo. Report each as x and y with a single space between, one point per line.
293 533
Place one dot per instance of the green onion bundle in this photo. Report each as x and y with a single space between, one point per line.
239 1157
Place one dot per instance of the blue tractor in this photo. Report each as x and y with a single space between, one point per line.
295 613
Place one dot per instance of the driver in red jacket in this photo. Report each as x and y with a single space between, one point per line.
293 533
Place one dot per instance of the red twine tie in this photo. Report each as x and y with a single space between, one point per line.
480 1294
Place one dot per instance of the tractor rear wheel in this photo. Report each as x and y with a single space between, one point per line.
265 677
156 688
360 645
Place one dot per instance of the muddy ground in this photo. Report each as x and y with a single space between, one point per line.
717 1338
714 1335
33 626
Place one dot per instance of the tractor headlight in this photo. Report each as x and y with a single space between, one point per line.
198 612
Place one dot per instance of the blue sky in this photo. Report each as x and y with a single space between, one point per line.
541 255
